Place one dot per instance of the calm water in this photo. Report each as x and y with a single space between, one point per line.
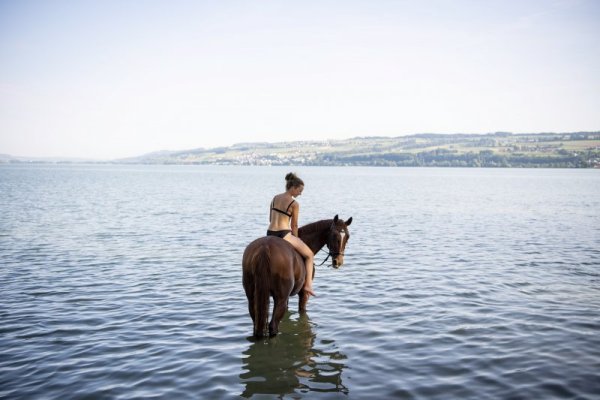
124 282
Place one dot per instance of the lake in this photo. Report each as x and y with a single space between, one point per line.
124 282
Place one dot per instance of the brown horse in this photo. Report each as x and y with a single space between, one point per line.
272 267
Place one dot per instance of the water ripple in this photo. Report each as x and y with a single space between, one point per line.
124 283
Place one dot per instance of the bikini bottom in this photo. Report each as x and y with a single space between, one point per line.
280 234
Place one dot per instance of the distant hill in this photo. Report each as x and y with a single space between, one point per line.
500 149
6 158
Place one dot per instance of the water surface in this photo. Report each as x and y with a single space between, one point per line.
124 282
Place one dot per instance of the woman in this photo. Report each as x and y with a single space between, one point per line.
283 217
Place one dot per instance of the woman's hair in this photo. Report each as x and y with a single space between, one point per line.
291 180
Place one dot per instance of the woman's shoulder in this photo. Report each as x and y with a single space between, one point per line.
280 198
283 196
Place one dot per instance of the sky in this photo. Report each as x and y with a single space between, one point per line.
117 78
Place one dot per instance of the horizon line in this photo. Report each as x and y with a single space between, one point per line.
91 159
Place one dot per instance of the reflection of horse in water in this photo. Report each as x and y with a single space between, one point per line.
272 267
291 363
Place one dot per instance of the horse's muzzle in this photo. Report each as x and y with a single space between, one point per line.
338 261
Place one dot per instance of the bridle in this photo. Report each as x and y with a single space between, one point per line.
330 254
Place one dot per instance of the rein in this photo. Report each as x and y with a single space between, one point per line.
329 254
318 227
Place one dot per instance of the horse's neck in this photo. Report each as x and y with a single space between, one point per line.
315 235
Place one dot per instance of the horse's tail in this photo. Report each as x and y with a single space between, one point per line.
262 290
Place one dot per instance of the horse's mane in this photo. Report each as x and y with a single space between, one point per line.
315 227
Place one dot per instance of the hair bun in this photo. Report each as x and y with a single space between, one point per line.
290 176
292 180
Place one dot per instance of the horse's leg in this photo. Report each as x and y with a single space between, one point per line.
248 281
279 309
302 300
251 307
303 297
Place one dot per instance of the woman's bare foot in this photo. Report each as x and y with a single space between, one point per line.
308 290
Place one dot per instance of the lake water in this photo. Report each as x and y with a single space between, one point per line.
124 282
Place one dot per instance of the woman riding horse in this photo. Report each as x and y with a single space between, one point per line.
283 218
273 268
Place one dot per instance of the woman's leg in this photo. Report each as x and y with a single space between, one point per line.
309 260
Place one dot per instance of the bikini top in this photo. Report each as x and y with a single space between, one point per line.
286 212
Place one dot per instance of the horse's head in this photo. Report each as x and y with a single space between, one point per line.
336 240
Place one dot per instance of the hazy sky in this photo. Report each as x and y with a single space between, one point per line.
107 79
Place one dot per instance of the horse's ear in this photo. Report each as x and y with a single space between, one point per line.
335 219
349 221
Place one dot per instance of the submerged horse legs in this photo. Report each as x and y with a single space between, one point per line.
303 297
248 281
279 309
302 300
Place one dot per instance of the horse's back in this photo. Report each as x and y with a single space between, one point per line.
284 261
262 244
275 247
271 243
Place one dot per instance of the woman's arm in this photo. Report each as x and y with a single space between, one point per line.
294 221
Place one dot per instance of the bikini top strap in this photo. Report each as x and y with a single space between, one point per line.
286 212
288 207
